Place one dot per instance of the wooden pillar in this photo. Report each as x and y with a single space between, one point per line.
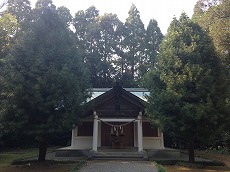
139 132
95 131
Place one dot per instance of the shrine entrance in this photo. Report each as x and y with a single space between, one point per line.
117 135
115 125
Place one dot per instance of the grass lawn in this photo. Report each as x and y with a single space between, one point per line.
206 169
39 168
6 158
204 154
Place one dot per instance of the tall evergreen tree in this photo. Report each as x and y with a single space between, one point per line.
109 37
87 36
21 9
153 40
65 16
184 82
8 27
134 40
46 79
215 19
99 37
113 50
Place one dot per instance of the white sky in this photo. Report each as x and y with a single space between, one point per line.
161 10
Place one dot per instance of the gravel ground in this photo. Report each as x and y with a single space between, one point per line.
118 166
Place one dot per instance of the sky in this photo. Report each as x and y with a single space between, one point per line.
161 10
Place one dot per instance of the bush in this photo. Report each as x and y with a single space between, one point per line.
218 149
16 140
13 140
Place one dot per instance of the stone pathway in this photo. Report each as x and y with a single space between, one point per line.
119 166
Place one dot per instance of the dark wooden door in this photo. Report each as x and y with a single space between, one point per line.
105 135
128 137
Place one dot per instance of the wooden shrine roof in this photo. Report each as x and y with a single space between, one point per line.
116 103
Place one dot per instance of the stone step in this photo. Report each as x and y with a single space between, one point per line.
119 155
120 159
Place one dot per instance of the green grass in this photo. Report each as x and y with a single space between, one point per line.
197 164
7 157
78 166
159 167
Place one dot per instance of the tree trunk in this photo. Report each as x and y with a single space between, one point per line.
42 150
122 67
132 71
191 150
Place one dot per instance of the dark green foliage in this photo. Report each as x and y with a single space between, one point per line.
218 150
8 28
11 139
114 51
65 15
21 9
43 79
184 82
134 40
214 17
94 38
153 39
46 79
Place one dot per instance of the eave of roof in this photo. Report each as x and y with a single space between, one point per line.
108 92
